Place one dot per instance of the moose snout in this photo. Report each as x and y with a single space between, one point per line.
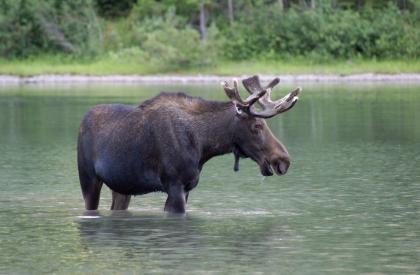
281 165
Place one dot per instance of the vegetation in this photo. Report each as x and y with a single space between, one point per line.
147 36
33 27
60 65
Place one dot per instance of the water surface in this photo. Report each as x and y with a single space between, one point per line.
350 204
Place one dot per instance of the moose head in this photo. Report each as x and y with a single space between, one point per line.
252 136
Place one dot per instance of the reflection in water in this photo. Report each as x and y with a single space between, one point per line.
349 203
157 241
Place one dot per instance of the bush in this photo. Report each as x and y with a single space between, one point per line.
169 43
170 40
30 27
127 54
324 34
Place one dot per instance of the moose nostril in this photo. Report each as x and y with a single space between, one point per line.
284 166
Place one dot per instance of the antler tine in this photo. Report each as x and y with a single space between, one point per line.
282 105
250 100
265 101
269 108
232 92
252 84
255 96
273 83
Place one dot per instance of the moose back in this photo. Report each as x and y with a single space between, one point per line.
162 144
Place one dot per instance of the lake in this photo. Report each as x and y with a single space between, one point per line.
350 203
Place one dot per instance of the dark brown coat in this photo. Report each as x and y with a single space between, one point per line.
162 144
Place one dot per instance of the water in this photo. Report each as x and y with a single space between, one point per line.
350 204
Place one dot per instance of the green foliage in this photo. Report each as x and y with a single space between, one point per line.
167 42
165 34
30 27
173 48
149 8
324 34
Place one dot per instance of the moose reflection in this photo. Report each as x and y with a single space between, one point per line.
162 144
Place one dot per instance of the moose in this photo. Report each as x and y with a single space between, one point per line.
163 143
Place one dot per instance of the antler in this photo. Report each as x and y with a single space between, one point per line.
270 108
233 94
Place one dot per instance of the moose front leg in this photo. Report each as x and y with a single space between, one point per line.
176 201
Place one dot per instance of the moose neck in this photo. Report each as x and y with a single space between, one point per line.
216 130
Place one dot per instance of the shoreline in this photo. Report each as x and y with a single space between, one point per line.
200 79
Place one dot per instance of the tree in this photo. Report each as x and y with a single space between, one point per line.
230 11
286 4
203 21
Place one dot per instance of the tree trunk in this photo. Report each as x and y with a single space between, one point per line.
230 11
402 4
334 4
203 26
286 4
312 4
360 4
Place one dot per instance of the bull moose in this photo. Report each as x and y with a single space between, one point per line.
163 143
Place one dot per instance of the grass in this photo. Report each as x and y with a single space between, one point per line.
307 67
107 66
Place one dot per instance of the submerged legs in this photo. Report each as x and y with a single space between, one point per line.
177 199
175 203
120 201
